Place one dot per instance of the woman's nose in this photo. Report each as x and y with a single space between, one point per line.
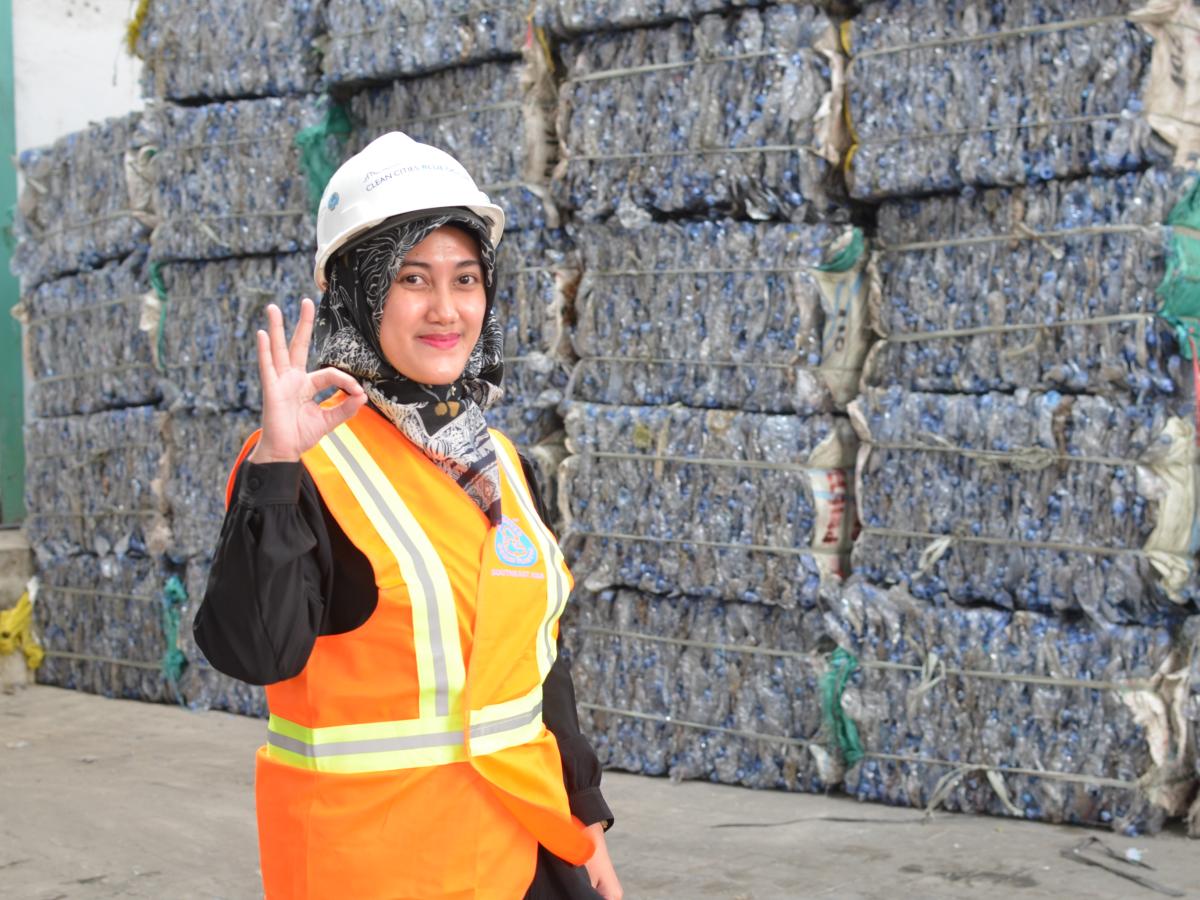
442 307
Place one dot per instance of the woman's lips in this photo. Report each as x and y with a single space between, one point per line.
440 341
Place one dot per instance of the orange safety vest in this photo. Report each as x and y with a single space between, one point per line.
409 758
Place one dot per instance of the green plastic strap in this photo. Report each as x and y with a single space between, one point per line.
173 598
842 665
156 280
319 156
1180 287
160 290
845 257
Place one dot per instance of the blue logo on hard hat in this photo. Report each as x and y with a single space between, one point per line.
333 199
513 546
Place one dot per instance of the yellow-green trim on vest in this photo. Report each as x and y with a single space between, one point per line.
407 743
441 671
557 587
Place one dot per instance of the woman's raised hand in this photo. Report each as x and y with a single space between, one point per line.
292 420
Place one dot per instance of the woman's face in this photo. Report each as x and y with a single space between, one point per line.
434 310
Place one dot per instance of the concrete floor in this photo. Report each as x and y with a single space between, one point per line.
104 798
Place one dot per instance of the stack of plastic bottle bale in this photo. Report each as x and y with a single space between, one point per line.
248 142
719 328
96 446
478 84
1013 638
242 139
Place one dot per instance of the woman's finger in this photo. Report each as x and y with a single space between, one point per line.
279 350
298 349
335 378
266 368
336 415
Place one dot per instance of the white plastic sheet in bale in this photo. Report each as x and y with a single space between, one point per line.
91 340
714 504
722 314
229 181
205 447
377 40
1049 287
496 118
93 483
213 310
1060 719
978 93
100 619
739 115
253 48
86 200
1042 501
694 688
202 686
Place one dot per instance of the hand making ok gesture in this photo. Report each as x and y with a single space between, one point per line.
292 420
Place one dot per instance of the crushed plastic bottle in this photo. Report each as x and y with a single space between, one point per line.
99 619
376 40
1066 490
715 504
682 134
1011 716
1051 286
92 483
714 314
86 201
90 340
656 694
252 48
229 181
977 93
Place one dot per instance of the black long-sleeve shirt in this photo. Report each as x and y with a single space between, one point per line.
285 574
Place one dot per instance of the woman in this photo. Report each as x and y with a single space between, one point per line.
384 568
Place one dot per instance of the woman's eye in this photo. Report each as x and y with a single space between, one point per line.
468 279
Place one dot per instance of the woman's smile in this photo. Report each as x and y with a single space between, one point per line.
441 341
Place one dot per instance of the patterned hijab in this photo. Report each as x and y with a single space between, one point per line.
445 421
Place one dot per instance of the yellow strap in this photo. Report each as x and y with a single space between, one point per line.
441 671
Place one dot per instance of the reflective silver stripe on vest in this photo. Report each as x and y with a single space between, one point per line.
506 724
375 745
437 650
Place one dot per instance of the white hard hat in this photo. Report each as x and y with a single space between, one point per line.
394 175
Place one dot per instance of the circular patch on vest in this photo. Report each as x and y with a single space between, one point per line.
513 545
